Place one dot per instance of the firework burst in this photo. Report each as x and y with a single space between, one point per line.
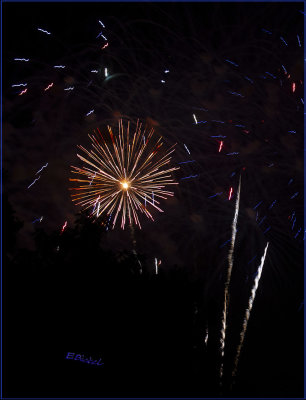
124 174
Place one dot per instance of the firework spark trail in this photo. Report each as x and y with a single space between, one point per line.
187 149
44 166
293 196
248 311
188 177
186 162
23 92
214 195
230 193
228 280
22 59
156 267
48 87
19 84
38 219
44 31
231 62
35 180
64 227
206 336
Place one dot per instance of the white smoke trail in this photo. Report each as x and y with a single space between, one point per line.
228 279
248 310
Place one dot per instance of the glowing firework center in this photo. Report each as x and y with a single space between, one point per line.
125 185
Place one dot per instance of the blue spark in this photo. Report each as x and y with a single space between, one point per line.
235 94
249 79
222 245
186 162
231 62
267 229
38 219
262 220
272 204
252 259
201 109
283 40
257 205
264 30
191 176
293 196
284 69
273 76
214 195
297 233
298 38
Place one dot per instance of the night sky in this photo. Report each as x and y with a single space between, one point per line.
225 82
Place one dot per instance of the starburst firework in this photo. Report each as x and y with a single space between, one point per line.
124 174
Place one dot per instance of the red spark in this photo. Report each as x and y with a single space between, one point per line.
23 92
293 87
221 145
64 226
104 46
230 193
49 86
